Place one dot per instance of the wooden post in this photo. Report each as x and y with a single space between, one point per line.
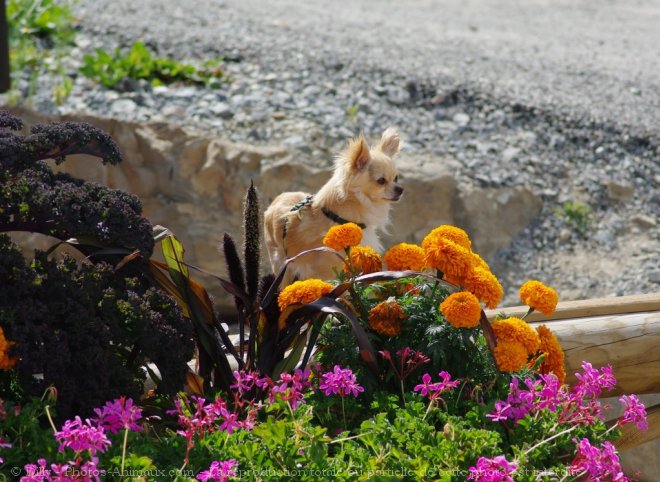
4 50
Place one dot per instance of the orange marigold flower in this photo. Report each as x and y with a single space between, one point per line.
363 260
343 236
447 256
510 356
6 362
387 317
303 292
554 355
539 296
479 262
484 285
455 280
450 233
405 256
462 310
515 329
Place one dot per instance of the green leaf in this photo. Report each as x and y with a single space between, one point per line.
288 364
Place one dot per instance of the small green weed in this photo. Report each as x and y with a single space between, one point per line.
577 213
352 112
139 63
38 32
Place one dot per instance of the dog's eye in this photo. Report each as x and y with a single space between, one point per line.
381 180
396 179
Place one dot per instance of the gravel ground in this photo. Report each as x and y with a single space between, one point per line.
560 96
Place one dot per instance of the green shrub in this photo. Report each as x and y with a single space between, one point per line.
39 33
111 70
88 329
577 214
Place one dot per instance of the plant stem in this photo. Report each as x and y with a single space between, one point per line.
50 419
428 409
617 424
343 412
403 393
123 450
358 302
340 440
550 438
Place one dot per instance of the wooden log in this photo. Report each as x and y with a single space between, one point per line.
585 308
623 332
629 342
632 437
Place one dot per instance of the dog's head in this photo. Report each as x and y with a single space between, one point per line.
370 172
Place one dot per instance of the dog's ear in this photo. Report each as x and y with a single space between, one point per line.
358 153
389 143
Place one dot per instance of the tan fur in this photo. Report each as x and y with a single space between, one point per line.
353 193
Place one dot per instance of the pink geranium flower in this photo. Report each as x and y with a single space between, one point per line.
80 436
496 469
219 471
634 412
340 382
118 415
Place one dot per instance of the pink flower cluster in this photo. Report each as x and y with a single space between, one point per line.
85 437
197 418
634 412
120 414
80 436
577 406
219 471
496 469
72 472
597 464
340 381
434 390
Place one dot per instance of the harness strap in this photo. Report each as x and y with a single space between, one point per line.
309 199
338 219
297 207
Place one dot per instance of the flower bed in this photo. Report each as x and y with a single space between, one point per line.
390 372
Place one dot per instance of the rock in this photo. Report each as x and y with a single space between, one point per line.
510 153
125 107
618 191
427 202
604 237
654 276
397 95
461 118
644 222
222 110
493 217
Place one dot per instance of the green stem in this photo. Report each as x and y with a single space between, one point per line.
50 419
343 412
611 428
403 394
181 470
568 430
358 302
344 439
428 409
123 450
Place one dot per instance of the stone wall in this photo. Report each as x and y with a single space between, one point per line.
194 184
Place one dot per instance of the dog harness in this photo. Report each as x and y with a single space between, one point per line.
309 199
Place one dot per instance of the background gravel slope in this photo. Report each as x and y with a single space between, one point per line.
560 96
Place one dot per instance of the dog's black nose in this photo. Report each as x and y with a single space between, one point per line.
398 190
